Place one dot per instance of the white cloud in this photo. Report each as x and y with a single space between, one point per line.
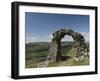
67 38
30 39
38 39
86 36
50 36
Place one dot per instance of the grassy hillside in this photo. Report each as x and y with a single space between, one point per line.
37 52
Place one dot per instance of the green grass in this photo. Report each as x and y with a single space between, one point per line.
55 64
70 61
41 49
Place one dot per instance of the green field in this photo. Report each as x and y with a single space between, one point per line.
37 52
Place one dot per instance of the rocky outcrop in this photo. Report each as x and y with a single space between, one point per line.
55 47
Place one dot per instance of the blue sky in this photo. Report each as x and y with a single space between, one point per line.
40 26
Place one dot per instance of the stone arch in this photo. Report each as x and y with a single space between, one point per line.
55 46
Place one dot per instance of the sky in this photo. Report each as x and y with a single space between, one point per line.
40 26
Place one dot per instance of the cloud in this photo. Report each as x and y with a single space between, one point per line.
50 36
30 39
67 38
86 36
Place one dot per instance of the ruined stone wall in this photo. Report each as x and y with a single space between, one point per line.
55 46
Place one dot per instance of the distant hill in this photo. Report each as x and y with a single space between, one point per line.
41 48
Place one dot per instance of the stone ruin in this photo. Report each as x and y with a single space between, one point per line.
55 46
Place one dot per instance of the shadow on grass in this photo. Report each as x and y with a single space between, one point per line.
63 58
